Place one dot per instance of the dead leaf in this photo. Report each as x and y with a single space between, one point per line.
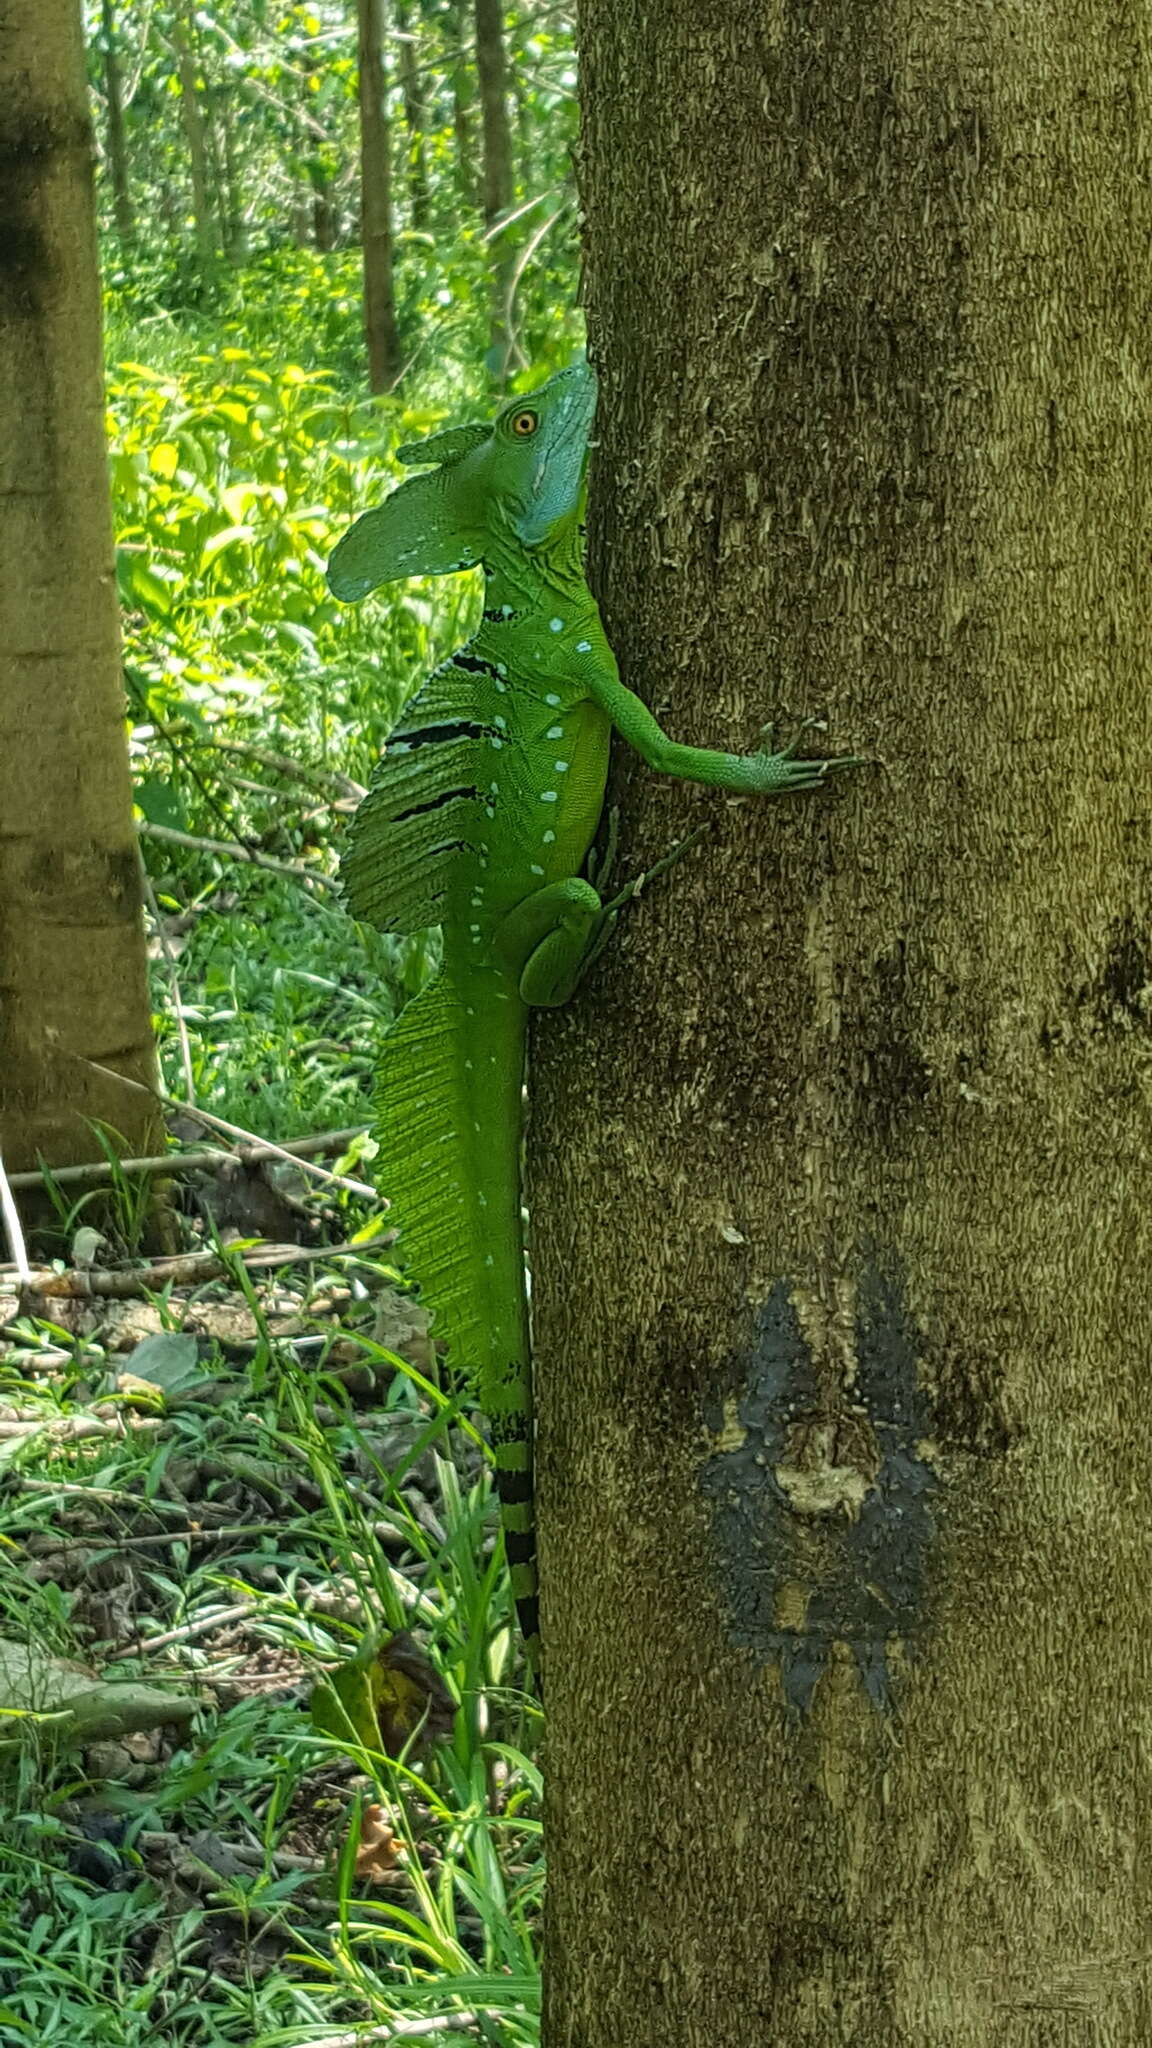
383 1699
376 1857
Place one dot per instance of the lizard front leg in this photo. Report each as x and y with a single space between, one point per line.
758 774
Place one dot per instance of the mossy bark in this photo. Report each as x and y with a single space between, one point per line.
839 1168
73 983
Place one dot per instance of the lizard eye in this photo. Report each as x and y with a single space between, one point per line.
524 424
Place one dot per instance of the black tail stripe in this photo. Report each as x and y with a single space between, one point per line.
514 1488
519 1546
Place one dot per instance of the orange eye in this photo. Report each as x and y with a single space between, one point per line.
523 424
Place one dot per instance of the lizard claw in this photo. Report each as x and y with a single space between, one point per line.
786 753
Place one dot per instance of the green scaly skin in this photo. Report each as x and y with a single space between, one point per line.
479 819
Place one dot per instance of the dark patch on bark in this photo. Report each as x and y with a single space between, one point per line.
28 142
896 1078
821 1511
1122 995
967 1406
84 884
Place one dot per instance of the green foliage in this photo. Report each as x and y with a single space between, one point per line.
340 1515
242 446
232 478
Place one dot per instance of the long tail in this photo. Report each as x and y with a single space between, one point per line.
449 1105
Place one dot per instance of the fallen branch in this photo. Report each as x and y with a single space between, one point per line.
12 1229
189 1269
220 1123
233 850
325 779
219 1617
99 1171
73 1428
397 2030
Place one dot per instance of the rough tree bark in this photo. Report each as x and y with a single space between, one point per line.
839 1169
73 985
384 359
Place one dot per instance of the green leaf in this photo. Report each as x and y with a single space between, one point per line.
228 537
164 459
160 804
168 1361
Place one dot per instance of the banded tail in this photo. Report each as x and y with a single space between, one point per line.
449 1124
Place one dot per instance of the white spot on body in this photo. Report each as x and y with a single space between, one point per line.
583 647
488 1259
548 796
501 722
561 767
554 732
501 670
495 788
495 742
555 625
535 871
551 698
548 838
502 687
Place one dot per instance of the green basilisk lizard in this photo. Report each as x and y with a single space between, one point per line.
479 818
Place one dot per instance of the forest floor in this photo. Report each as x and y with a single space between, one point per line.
267 1778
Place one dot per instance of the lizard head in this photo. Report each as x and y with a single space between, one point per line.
517 481
539 454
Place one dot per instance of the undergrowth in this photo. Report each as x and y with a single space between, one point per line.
250 1530
307 1493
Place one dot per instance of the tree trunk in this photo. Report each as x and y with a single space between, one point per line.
231 204
73 985
492 72
839 1167
384 360
415 114
459 22
192 117
117 155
